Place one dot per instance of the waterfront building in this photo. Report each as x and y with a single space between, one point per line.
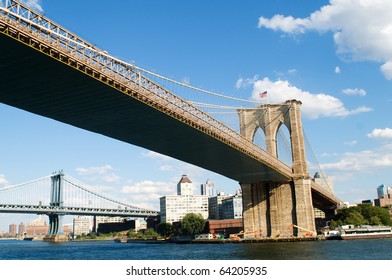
384 191
68 229
345 204
383 202
82 225
37 227
123 226
12 230
153 222
140 224
232 207
105 219
384 195
21 229
208 189
225 227
174 207
215 206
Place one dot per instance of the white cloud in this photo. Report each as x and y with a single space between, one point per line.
166 167
314 105
354 91
381 133
154 155
100 170
3 181
359 161
285 24
367 161
362 28
292 71
351 143
151 187
245 83
102 173
338 70
34 4
239 83
146 193
386 68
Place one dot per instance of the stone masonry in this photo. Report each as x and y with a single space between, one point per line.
272 208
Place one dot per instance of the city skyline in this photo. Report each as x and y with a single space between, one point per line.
332 55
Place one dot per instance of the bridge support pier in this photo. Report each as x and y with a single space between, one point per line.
278 209
270 209
55 224
56 233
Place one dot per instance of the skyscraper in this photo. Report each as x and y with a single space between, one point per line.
381 191
208 189
12 230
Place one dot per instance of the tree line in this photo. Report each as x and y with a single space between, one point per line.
362 214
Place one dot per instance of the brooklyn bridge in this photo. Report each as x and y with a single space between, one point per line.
49 71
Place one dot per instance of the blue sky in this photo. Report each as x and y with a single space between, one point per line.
335 56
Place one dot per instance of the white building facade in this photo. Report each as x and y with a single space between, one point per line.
82 225
173 208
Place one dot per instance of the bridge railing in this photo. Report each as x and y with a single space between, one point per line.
37 29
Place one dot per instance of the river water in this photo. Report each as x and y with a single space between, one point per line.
374 249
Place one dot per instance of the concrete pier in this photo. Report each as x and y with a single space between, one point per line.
56 238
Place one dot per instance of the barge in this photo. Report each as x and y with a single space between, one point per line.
349 232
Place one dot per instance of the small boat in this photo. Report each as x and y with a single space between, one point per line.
28 238
349 232
331 234
122 239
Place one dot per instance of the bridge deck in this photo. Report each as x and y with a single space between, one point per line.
35 82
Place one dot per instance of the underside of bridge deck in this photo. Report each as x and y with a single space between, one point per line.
33 81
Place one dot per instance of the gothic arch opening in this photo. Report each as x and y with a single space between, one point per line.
259 138
283 145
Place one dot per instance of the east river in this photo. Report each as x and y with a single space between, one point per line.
374 249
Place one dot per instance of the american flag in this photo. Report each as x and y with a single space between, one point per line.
263 94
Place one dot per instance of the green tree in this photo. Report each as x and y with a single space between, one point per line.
150 234
363 214
355 218
192 223
333 225
374 220
165 229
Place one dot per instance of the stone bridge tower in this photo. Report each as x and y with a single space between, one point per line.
272 208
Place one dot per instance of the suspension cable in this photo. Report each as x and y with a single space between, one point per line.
316 161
